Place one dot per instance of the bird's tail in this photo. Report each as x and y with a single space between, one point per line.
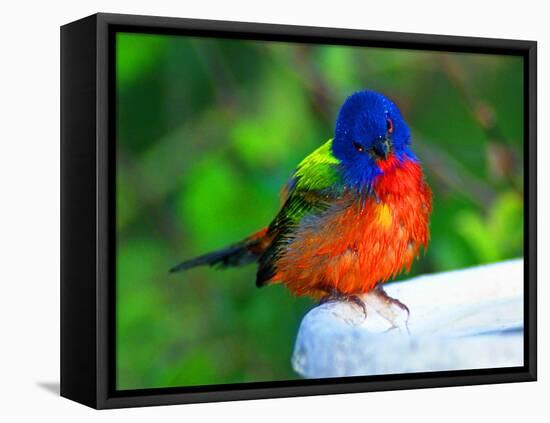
244 252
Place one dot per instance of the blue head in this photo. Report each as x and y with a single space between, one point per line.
370 132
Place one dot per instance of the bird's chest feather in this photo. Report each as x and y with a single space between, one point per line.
359 243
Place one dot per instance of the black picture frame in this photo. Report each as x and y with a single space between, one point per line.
88 206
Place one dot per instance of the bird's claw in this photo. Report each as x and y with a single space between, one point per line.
334 295
386 306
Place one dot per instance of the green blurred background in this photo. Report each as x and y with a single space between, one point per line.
209 130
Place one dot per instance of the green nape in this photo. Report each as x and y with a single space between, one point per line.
315 177
319 170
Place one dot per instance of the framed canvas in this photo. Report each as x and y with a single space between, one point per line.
258 211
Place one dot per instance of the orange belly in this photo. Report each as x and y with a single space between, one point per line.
354 246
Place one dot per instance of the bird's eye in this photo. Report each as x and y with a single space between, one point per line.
358 147
389 125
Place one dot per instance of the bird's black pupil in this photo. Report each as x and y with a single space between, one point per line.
358 147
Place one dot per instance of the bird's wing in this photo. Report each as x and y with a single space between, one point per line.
313 186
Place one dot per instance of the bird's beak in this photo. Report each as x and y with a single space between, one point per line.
382 147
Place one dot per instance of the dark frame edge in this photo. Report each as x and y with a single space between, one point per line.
78 212
416 40
325 387
106 208
530 75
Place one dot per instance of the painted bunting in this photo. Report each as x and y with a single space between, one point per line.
354 214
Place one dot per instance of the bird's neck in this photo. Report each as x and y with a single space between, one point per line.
400 177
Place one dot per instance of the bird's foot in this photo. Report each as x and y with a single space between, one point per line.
390 309
334 295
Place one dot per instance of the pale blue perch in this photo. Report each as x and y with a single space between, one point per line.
465 319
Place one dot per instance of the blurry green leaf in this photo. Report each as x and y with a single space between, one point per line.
337 64
196 367
473 229
274 131
500 235
125 199
216 205
136 54
507 221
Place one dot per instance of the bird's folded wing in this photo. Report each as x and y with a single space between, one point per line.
313 186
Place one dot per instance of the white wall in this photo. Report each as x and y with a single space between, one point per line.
29 169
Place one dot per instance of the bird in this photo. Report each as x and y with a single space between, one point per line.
354 215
